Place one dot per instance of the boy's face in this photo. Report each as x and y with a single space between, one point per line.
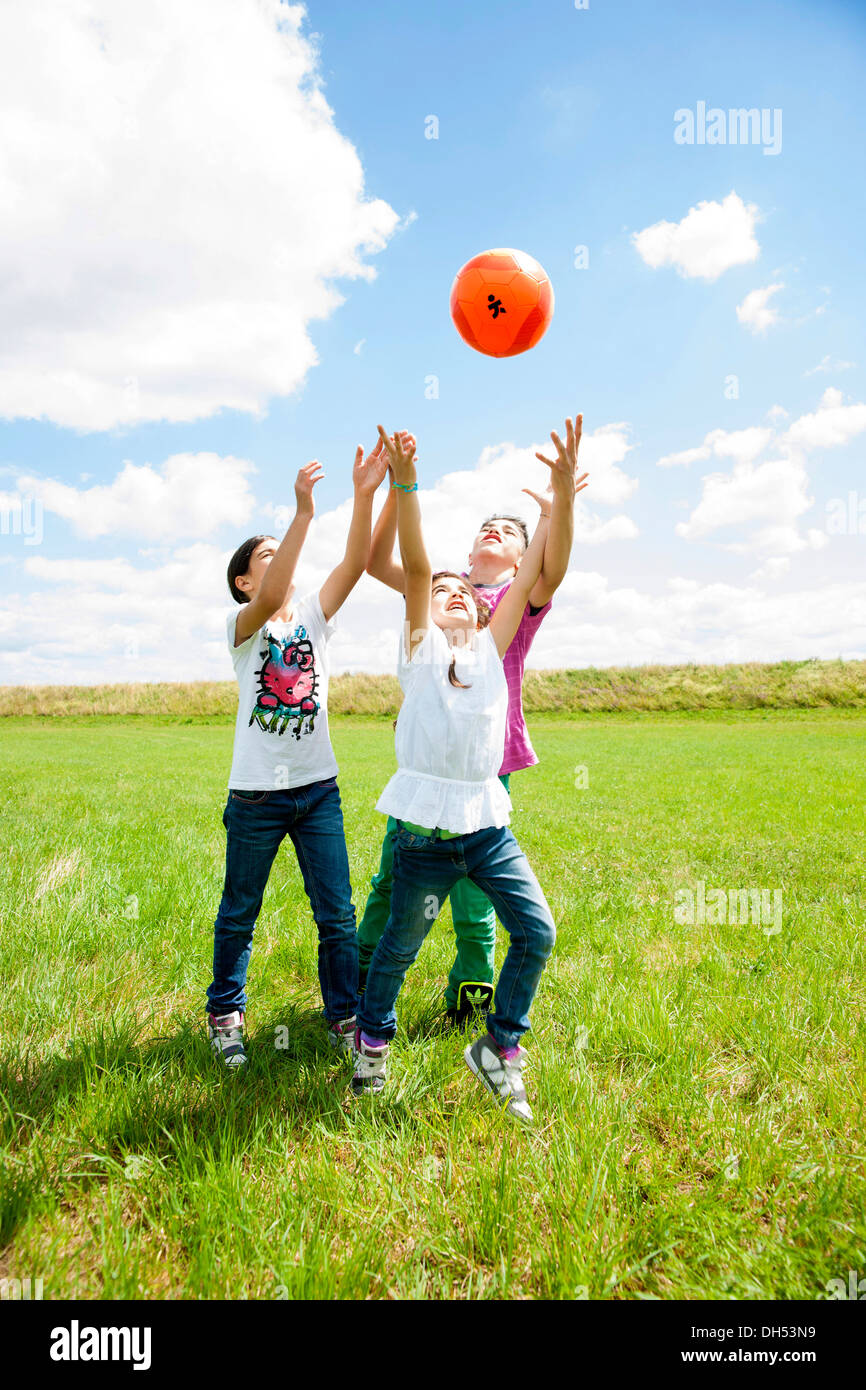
261 557
453 605
499 538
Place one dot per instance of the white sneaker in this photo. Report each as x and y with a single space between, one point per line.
341 1036
370 1067
226 1034
501 1075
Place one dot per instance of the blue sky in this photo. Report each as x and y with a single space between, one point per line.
555 129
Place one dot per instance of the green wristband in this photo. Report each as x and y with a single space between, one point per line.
406 487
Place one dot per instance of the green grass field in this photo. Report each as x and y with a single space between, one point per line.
698 1089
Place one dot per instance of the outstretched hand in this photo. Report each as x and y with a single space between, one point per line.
367 473
306 480
564 478
400 451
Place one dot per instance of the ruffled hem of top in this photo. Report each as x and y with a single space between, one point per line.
461 807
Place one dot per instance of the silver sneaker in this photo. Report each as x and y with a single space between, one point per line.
370 1067
226 1034
503 1076
341 1036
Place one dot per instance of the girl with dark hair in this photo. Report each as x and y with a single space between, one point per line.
450 807
283 780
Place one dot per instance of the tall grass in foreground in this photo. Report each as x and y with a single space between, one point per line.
698 1089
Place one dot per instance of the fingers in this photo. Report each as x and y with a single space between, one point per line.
400 447
387 443
550 462
558 445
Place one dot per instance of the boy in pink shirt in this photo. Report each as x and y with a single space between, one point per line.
493 562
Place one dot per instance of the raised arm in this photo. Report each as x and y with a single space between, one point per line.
510 610
416 563
558 505
367 474
506 619
382 564
280 573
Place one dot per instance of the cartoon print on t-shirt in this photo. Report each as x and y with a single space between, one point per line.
287 685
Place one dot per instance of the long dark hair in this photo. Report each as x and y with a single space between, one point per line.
239 564
483 609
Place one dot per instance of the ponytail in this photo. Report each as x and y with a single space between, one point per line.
452 676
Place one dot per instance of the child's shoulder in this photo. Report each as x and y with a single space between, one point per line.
433 644
307 612
231 624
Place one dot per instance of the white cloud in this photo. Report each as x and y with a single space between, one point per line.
831 424
709 240
775 492
743 445
177 206
755 312
191 496
161 614
592 622
683 458
773 568
163 620
829 363
166 622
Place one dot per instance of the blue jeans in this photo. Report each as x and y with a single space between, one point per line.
256 824
425 870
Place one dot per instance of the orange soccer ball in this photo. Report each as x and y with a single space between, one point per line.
501 302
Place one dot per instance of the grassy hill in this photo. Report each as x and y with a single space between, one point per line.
753 685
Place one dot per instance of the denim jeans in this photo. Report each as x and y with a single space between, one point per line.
424 872
471 913
256 824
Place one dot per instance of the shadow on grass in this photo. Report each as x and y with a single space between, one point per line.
77 1116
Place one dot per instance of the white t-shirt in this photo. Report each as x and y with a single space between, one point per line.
281 734
450 742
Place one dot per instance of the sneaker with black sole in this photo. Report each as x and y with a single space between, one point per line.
502 1075
226 1034
341 1036
370 1067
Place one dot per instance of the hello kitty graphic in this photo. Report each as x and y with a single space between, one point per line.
288 682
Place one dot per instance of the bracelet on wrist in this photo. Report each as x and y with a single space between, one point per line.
406 487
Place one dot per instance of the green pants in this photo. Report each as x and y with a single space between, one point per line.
471 911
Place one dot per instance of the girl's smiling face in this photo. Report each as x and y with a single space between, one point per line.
453 605
500 538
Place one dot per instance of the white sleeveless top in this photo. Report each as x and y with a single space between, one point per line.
450 742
